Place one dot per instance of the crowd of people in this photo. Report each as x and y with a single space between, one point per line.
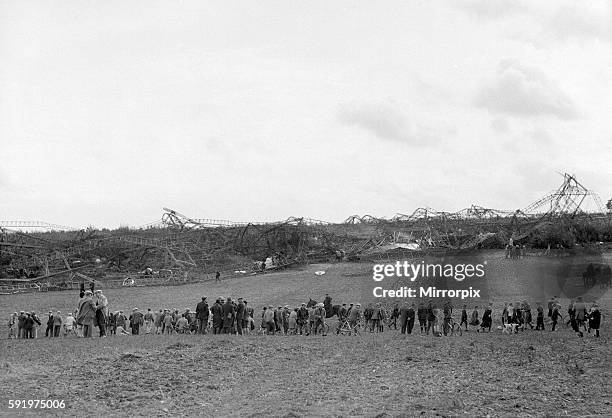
228 316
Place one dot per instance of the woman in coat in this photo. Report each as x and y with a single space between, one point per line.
87 314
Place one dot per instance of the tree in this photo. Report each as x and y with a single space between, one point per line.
609 205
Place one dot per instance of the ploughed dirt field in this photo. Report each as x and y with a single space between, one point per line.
384 374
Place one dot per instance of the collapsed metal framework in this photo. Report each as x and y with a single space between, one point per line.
186 244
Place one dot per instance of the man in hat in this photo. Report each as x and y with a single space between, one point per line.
229 315
202 316
148 321
101 311
319 319
217 314
302 320
20 323
136 320
49 330
87 313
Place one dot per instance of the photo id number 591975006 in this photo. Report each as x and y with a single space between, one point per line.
36 404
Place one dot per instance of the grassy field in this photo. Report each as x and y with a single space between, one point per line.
528 374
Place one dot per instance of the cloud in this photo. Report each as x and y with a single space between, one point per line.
388 123
579 23
522 91
489 9
500 125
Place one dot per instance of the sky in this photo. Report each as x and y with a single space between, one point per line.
257 111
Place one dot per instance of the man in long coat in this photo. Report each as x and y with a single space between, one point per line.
229 313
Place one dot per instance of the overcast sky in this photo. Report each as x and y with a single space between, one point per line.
111 110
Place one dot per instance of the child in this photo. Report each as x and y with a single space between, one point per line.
69 325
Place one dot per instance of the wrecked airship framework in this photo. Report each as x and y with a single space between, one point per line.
38 256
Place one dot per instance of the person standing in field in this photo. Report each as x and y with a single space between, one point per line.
229 313
157 322
403 317
87 314
136 320
20 324
551 305
422 317
217 313
504 315
278 319
594 320
247 322
217 277
37 324
319 319
475 321
556 316
240 308
580 311
393 317
527 315
540 317
101 303
202 316
302 320
411 315
367 314
293 321
49 330
432 318
464 317
487 318
168 325
285 316
268 320
27 326
57 324
12 325
354 317
148 321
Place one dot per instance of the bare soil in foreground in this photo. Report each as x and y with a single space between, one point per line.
386 374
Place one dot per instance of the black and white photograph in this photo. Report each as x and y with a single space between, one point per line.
306 208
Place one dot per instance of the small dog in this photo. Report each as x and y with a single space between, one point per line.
510 329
